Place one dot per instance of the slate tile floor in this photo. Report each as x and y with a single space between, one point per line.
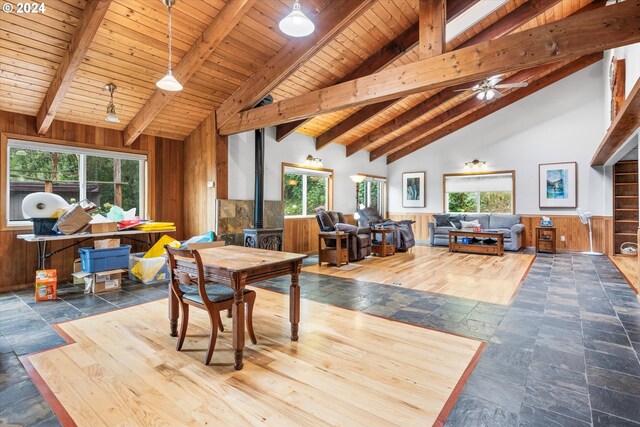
565 353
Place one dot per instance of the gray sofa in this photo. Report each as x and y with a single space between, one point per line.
510 224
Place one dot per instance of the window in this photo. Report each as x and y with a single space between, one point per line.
372 194
305 189
103 177
486 192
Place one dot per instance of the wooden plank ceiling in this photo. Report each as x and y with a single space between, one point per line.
130 50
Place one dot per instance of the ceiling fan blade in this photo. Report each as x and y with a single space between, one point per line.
494 80
510 85
464 90
497 94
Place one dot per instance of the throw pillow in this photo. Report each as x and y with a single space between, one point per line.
442 220
455 221
470 224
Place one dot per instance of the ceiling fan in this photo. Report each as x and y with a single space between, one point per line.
488 88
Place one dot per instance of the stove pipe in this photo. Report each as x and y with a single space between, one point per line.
258 210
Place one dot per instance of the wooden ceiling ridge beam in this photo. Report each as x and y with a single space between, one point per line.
219 28
86 29
330 22
457 123
513 20
609 27
623 126
382 58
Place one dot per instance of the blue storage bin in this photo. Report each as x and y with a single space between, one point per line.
96 260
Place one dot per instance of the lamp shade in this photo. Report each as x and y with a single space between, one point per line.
296 24
169 83
112 118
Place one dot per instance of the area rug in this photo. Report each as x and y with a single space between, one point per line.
347 267
348 368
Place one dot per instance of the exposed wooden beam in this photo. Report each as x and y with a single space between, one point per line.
330 22
607 28
497 104
211 37
626 122
432 26
510 22
385 56
458 110
87 27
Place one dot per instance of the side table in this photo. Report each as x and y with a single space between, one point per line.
336 247
381 246
546 239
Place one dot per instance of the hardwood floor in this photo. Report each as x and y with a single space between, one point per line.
485 278
628 266
348 367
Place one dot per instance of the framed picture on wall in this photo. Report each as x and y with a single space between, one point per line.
414 189
558 185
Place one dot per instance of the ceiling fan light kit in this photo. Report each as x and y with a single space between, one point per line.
487 89
168 82
296 24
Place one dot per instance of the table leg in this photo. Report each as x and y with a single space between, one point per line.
238 283
173 312
319 250
294 301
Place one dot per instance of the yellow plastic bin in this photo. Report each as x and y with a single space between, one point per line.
148 270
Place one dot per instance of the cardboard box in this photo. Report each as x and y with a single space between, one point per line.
75 220
106 244
77 268
206 245
103 281
104 227
46 285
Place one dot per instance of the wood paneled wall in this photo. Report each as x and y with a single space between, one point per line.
205 160
576 234
165 157
301 234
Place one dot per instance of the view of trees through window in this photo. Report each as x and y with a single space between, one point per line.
369 194
304 193
485 201
106 180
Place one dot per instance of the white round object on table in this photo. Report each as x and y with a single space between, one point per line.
42 205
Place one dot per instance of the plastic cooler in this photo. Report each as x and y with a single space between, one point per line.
96 260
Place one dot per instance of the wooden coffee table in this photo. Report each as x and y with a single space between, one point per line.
456 245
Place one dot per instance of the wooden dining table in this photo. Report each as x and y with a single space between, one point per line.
236 267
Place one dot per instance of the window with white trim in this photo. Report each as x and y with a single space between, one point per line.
103 177
305 190
480 193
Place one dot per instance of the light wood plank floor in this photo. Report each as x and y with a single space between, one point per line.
480 277
348 368
628 266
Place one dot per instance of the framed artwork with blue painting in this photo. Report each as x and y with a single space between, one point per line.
558 186
413 189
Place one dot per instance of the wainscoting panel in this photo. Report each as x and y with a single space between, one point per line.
576 234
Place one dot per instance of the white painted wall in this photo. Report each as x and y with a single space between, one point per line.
560 123
294 149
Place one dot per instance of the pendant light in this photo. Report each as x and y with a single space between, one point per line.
296 24
111 107
169 82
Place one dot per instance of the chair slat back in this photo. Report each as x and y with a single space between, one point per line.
183 277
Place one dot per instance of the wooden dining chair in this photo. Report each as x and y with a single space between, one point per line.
210 296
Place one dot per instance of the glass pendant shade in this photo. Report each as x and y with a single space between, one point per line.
111 107
481 96
111 117
169 83
296 24
490 95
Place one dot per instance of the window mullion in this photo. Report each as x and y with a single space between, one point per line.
304 194
82 176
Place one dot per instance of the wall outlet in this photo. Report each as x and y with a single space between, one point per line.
562 239
210 184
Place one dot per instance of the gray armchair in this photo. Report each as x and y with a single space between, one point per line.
404 238
359 237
